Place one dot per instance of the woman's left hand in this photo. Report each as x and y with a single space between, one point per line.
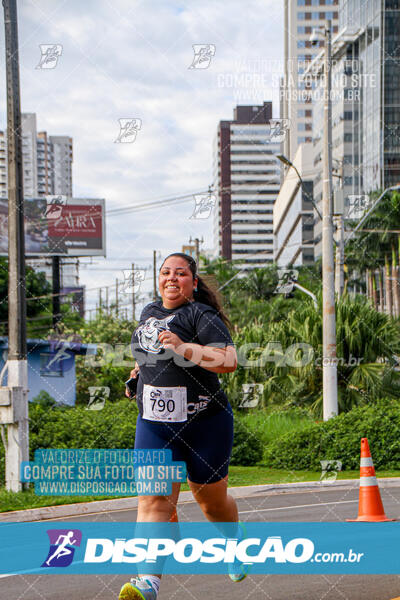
170 340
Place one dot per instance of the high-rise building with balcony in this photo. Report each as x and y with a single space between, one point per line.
293 213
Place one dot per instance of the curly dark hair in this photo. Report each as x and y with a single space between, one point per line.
203 293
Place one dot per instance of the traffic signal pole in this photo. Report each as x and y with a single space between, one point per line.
14 398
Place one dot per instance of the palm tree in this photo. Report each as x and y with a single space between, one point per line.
367 344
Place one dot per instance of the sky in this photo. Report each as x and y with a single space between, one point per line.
130 60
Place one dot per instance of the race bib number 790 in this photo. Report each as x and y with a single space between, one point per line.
164 403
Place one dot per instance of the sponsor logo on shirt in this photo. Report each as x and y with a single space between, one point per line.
150 330
195 407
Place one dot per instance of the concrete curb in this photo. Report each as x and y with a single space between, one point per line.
101 506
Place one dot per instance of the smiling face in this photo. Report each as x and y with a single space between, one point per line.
175 282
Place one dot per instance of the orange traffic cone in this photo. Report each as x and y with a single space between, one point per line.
370 507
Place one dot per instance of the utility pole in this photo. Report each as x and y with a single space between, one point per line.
133 292
197 243
339 259
56 291
329 363
154 275
116 298
14 398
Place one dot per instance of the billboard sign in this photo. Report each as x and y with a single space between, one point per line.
57 225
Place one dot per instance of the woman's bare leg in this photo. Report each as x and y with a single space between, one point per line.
159 509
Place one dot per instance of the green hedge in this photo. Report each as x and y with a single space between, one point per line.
339 439
302 449
63 427
247 445
54 426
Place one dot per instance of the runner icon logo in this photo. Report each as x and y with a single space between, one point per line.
62 547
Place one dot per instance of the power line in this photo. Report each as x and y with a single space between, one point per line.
154 203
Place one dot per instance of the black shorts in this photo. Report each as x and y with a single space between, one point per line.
205 444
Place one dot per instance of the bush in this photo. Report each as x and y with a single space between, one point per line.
44 399
339 439
247 446
59 426
64 427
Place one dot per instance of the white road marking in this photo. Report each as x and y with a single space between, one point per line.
242 512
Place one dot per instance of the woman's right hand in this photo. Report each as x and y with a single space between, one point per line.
133 374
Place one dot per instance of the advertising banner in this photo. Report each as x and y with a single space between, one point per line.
59 226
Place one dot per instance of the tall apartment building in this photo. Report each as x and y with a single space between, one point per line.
365 103
246 173
300 18
297 106
47 161
47 171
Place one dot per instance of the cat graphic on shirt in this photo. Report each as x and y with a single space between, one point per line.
150 330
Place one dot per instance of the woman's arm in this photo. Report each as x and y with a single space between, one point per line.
134 373
216 360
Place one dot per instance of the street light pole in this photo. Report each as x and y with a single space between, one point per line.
17 443
289 164
329 363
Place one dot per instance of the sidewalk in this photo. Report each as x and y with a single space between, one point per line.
103 506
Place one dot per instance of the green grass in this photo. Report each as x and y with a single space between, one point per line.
238 476
267 426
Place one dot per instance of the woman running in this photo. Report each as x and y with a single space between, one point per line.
186 325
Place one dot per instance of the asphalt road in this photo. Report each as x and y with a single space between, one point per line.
315 505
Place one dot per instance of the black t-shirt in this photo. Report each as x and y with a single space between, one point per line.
192 322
